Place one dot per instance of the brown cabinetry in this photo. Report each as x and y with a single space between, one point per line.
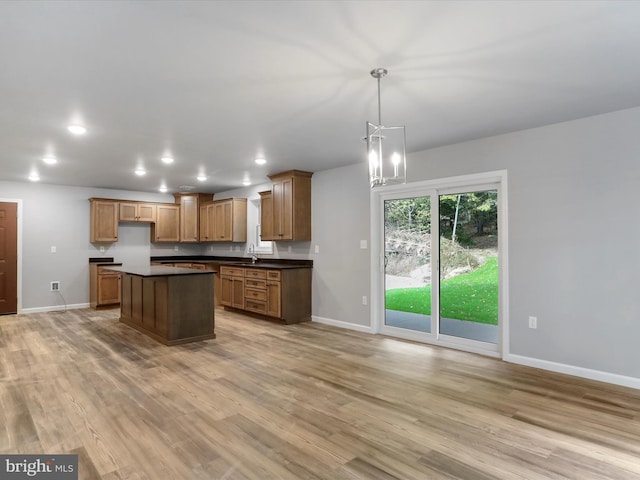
255 290
224 220
266 216
284 294
290 206
167 225
232 286
104 285
274 294
231 220
171 308
207 222
137 212
189 214
103 220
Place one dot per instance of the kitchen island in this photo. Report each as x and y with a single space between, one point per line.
172 305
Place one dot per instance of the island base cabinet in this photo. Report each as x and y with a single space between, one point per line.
172 310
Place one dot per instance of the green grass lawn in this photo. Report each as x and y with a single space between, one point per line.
472 296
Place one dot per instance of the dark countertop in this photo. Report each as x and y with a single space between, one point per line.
237 261
158 271
102 260
271 265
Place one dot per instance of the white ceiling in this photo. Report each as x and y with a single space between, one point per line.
217 83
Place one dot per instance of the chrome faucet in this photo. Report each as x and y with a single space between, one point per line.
254 258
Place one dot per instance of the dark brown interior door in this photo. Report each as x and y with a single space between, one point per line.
8 258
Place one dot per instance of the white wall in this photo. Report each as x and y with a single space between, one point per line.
340 205
574 235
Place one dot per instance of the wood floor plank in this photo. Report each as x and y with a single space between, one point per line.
265 400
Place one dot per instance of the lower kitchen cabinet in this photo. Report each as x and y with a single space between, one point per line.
104 285
283 294
232 287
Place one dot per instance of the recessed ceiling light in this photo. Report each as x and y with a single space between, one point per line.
140 171
77 129
246 183
167 160
163 188
201 178
34 177
49 159
260 161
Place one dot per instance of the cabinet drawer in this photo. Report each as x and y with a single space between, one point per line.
273 275
231 271
250 282
253 294
254 273
255 306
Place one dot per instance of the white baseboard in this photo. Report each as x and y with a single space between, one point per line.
598 375
341 324
54 308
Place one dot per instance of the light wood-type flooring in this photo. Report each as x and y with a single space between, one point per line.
306 401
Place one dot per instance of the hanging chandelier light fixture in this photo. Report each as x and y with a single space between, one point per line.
385 147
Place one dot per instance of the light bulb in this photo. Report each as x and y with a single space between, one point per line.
77 129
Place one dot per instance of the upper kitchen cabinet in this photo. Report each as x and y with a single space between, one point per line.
291 206
224 220
207 222
137 212
104 220
266 216
230 220
167 225
189 213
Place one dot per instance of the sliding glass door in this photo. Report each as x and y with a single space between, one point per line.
407 263
440 264
468 274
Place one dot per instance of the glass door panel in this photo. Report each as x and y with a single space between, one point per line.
407 263
469 265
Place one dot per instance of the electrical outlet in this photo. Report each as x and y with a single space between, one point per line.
317 248
176 248
363 244
533 322
55 286
53 249
364 299
289 249
101 248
